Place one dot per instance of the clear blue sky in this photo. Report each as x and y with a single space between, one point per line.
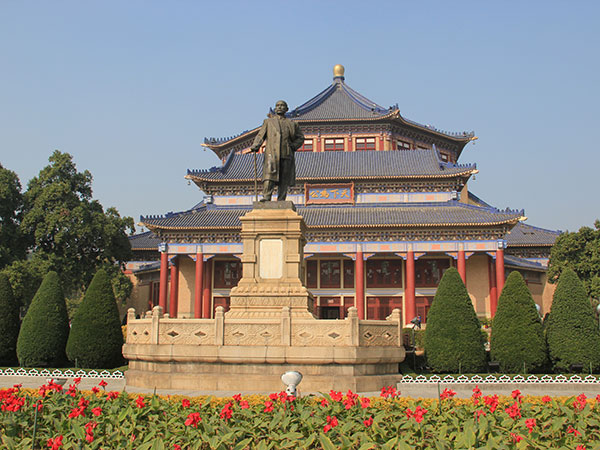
131 88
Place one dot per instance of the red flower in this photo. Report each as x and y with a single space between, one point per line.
324 402
226 412
476 394
76 412
516 437
102 384
516 394
389 392
97 411
77 380
448 393
55 443
185 403
368 422
244 404
83 403
332 422
491 401
546 399
176 447
580 402
530 424
237 398
336 396
514 411
365 402
193 419
417 414
95 390
268 406
89 431
573 430
112 395
140 401
580 447
274 396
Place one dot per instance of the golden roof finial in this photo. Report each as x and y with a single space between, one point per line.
338 71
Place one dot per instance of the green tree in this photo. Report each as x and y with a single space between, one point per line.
96 339
453 339
69 230
45 328
9 322
571 331
12 245
25 277
579 251
517 332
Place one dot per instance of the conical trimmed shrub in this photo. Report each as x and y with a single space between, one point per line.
9 322
572 333
453 339
517 334
96 338
45 328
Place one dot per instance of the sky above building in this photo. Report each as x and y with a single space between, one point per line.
131 89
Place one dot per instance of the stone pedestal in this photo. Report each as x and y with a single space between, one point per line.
268 330
273 240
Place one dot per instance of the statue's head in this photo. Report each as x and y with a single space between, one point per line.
281 107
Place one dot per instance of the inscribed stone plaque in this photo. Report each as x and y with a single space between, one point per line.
271 258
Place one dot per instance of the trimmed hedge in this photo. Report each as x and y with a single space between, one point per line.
45 327
453 339
9 322
572 333
96 338
517 334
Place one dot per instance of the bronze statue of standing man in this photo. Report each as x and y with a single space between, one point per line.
283 137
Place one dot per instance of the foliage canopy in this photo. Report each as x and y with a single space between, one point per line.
453 339
9 322
517 332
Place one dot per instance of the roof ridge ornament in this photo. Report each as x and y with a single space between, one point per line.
338 73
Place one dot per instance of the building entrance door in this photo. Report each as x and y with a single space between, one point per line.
330 312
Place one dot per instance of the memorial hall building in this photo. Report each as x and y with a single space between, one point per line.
387 209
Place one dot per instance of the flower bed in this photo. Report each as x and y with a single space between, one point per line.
66 418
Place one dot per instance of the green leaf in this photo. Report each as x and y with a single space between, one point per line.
158 444
326 442
390 444
242 444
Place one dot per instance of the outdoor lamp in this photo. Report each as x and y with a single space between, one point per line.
538 309
416 322
291 380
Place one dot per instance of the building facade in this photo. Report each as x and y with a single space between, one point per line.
387 209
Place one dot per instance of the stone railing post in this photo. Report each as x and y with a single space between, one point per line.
157 312
219 326
396 316
354 326
286 327
130 315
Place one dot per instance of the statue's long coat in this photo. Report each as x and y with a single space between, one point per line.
283 137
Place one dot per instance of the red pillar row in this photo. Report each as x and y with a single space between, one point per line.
360 285
493 288
409 293
164 280
206 313
198 286
174 288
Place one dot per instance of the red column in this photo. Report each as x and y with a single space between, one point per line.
174 288
493 288
461 265
198 285
206 313
164 280
409 289
500 270
360 284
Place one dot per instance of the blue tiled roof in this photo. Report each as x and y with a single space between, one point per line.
151 266
144 241
338 101
522 263
364 215
527 235
343 165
